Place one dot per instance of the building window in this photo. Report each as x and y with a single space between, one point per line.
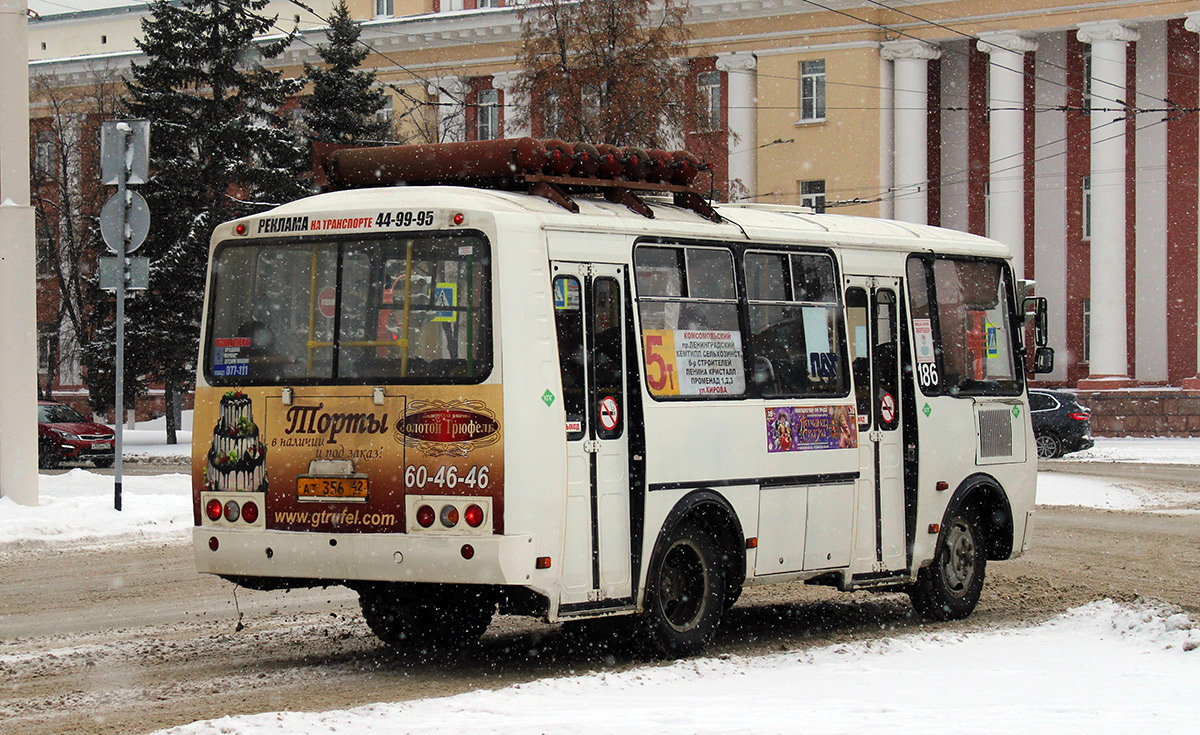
487 114
489 4
812 194
552 123
387 111
812 90
592 98
708 85
383 8
1087 79
1086 207
44 153
1087 330
46 337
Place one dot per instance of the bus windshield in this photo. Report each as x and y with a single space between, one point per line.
414 309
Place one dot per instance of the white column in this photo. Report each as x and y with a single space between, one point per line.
910 147
1108 274
740 68
516 109
18 295
1006 136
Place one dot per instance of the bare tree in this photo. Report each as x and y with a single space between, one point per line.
607 71
67 196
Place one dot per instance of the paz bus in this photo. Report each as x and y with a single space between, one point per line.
554 380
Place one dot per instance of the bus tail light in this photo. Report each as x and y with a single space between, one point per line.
425 516
232 511
468 551
473 516
249 511
212 509
449 516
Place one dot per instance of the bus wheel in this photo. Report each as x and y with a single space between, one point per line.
685 592
948 589
438 621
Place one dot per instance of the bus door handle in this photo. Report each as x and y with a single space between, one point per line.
875 436
591 446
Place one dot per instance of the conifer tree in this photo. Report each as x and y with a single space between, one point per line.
344 99
220 149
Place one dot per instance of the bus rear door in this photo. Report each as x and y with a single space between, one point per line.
589 316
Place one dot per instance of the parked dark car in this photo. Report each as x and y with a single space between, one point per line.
65 436
1061 424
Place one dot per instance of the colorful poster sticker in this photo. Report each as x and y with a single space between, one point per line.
690 362
792 429
231 357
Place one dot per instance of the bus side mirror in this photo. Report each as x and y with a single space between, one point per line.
1041 320
1043 360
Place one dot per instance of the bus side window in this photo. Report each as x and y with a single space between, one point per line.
568 323
608 368
857 322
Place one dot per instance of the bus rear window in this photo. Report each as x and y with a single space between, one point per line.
413 310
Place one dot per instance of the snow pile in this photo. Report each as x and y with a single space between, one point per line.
1055 488
1157 450
77 507
149 440
1101 668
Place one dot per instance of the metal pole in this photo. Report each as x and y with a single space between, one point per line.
18 279
119 378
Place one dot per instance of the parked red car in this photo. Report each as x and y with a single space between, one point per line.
65 436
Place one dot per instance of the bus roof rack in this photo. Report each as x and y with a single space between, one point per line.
552 169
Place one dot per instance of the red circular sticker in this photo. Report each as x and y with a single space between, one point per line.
887 408
609 413
327 301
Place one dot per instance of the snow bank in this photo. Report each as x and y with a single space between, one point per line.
77 507
1056 488
1101 668
1157 450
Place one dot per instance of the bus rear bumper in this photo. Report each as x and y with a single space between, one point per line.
353 557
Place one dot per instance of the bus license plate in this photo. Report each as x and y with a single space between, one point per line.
331 488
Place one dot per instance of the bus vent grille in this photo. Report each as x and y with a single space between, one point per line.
995 433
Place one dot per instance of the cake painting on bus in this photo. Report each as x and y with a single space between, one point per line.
794 429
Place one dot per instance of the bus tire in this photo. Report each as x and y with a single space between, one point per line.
685 591
438 621
949 588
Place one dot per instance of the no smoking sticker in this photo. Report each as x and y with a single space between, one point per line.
609 413
887 408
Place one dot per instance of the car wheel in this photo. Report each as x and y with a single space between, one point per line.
1048 446
49 457
685 591
428 623
103 463
949 588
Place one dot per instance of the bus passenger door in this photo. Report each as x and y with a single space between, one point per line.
873 319
589 316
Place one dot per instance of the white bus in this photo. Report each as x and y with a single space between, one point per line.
457 400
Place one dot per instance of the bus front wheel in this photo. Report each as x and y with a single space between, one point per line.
685 592
949 588
436 621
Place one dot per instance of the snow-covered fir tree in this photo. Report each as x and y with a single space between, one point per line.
345 99
220 147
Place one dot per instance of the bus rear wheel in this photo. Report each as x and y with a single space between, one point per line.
685 592
426 622
949 588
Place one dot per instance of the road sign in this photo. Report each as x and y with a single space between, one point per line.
125 144
113 222
139 274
